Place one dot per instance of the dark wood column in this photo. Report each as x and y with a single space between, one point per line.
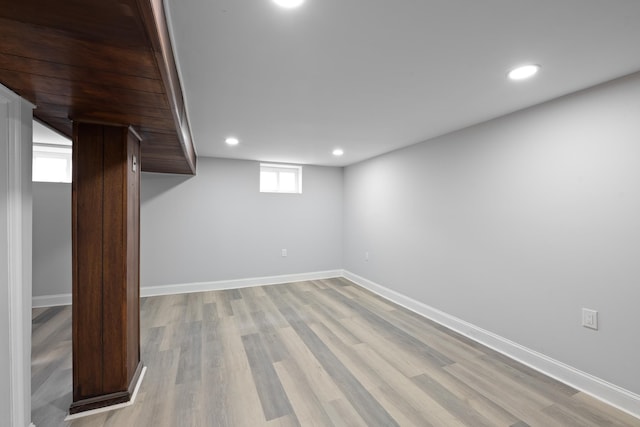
106 246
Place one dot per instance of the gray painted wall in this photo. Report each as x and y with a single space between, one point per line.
222 227
214 226
51 238
516 224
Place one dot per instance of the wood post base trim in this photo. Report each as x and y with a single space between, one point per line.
108 402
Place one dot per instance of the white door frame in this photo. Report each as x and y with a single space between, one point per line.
16 142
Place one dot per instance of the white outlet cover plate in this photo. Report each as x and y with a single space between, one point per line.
590 318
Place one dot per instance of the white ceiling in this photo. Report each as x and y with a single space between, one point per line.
371 76
43 134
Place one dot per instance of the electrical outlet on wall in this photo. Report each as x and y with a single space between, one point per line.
284 252
366 256
590 318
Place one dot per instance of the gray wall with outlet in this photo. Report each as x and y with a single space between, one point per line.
211 227
516 225
221 227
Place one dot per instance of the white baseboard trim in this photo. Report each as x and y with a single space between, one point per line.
51 300
149 291
611 394
184 288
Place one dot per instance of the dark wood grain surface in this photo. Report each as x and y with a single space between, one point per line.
105 211
107 62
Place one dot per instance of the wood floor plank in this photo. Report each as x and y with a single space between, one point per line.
251 300
242 317
274 400
565 405
152 311
100 420
368 408
605 414
360 368
166 362
44 315
52 330
275 294
178 308
403 412
545 382
223 301
49 363
272 315
405 393
404 359
307 406
50 401
286 421
331 306
505 379
193 310
321 382
365 298
480 403
454 405
242 403
568 418
209 312
318 284
190 362
325 317
215 376
519 406
37 311
393 333
269 337
316 353
171 336
343 414
436 338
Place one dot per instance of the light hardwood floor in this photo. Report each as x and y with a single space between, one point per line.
316 353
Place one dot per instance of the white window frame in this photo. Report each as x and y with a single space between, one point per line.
274 167
53 151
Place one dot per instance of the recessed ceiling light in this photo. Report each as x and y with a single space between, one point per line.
523 72
288 4
338 152
232 141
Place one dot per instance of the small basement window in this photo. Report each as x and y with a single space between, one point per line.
51 155
280 178
51 163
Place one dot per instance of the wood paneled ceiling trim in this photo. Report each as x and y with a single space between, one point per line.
108 62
